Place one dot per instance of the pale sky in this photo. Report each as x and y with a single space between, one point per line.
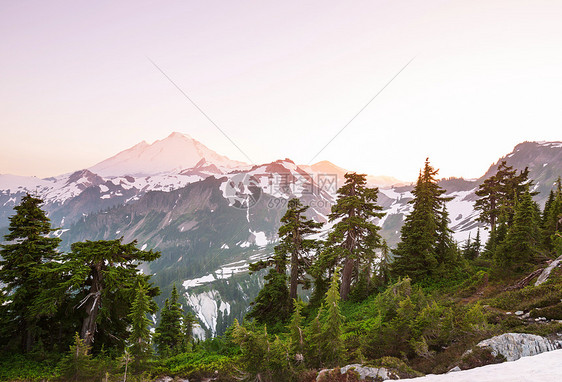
281 79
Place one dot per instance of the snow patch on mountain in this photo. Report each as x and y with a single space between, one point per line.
207 306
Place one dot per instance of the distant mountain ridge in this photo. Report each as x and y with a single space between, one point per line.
170 155
210 220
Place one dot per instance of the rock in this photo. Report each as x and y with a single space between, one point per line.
519 313
364 371
454 370
322 375
546 272
516 345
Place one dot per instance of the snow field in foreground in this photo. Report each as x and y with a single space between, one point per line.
545 367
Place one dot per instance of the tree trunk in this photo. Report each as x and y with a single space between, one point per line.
294 282
349 264
346 278
92 306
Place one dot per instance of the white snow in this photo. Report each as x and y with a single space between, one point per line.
143 247
207 306
545 367
198 281
260 238
103 188
172 154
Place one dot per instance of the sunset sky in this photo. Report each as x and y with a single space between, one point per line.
281 79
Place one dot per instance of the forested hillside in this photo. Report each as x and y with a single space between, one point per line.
421 307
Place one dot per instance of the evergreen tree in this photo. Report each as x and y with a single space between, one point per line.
139 338
477 246
263 359
488 204
28 250
272 304
188 325
168 334
354 239
101 278
519 246
331 342
552 217
313 349
292 235
426 244
499 192
296 331
78 364
472 248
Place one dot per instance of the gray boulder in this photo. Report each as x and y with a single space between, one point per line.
365 371
516 345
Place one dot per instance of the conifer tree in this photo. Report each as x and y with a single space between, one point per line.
188 325
425 238
519 246
552 217
499 193
294 243
472 248
331 342
139 338
354 239
296 331
78 364
27 251
168 334
102 277
313 334
272 304
263 359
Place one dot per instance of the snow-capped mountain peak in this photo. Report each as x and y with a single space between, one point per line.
171 155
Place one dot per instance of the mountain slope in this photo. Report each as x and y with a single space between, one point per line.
170 155
544 160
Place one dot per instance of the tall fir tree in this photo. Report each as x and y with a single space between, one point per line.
139 337
27 251
188 326
498 194
272 304
168 334
354 238
425 244
520 244
552 217
292 235
331 342
101 279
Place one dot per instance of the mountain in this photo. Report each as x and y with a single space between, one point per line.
326 167
544 161
173 154
210 220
